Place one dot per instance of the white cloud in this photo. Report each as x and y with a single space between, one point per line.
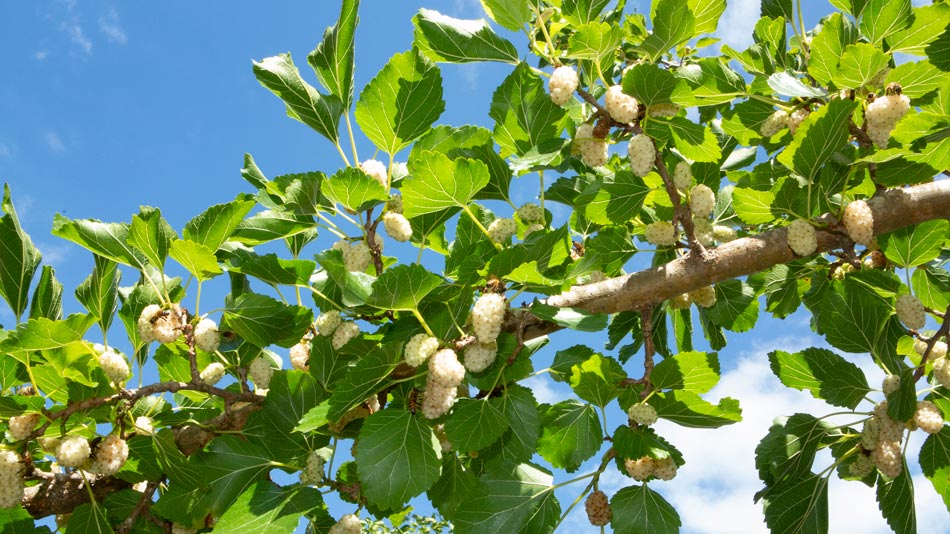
545 389
110 26
77 36
54 253
54 142
40 55
737 22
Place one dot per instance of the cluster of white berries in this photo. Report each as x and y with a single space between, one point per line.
882 436
702 200
622 107
703 230
445 375
501 229
397 226
592 149
642 154
563 83
21 426
642 414
776 122
312 475
859 222
213 373
939 350
801 237
72 451
111 455
530 212
376 169
882 115
144 425
114 366
419 348
207 337
682 176
928 417
487 315
480 356
598 509
156 324
645 467
796 118
348 524
663 110
300 356
344 333
327 322
660 233
356 256
261 372
11 479
910 311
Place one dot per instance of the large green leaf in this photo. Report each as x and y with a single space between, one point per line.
688 409
882 18
453 488
896 501
652 85
215 225
571 433
712 81
736 307
596 379
365 378
582 11
935 462
99 292
799 507
518 443
851 319
272 269
837 32
291 397
639 510
523 112
109 240
401 102
438 183
785 84
825 374
595 41
443 38
573 318
618 200
47 298
397 458
929 22
45 334
476 423
706 13
263 321
859 64
270 225
822 134
267 508
304 103
918 78
89 519
512 14
697 372
915 245
515 498
151 235
18 258
332 60
198 259
403 287
469 142
354 189
673 24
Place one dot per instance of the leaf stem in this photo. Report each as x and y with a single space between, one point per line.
349 130
342 154
480 226
422 321
573 480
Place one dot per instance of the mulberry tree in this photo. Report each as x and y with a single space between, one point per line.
804 172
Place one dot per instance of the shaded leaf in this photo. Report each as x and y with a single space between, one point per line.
443 38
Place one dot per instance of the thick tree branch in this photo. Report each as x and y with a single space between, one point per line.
61 493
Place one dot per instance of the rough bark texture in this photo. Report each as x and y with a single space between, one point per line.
62 493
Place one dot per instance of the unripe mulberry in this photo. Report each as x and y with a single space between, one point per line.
703 230
487 315
642 414
682 176
910 311
887 458
928 417
501 229
861 467
11 479
663 110
312 475
598 509
348 524
642 154
212 373
419 348
445 369
660 233
942 372
939 350
261 372
592 149
801 237
111 455
207 337
776 122
680 302
704 297
300 356
664 469
622 107
480 356
346 331
859 222
562 84
114 366
327 322
437 400
532 229
724 234
702 200
397 226
395 204
640 469
72 451
21 426
145 322
530 212
891 384
376 169
144 425
358 257
796 118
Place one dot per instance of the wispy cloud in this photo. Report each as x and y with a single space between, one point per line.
40 55
76 34
737 23
110 26
54 141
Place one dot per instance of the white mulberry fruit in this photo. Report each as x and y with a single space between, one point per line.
562 84
21 426
776 122
891 384
530 212
445 369
724 234
376 169
704 297
346 331
887 457
859 222
928 417
72 451
703 230
144 425
640 469
437 400
532 229
660 233
312 475
501 229
942 372
261 372
882 115
861 467
212 374
111 455
910 311
488 313
598 509
327 322
207 337
145 326
801 237
419 348
680 302
702 200
397 227
665 468
593 150
642 414
939 350
622 107
114 366
181 529
480 356
11 479
642 154
796 118
300 356
682 176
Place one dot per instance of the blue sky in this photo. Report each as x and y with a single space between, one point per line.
106 106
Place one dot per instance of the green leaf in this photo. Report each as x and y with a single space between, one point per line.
216 224
799 507
882 18
516 498
573 318
639 510
837 32
693 141
109 240
438 182
918 78
355 287
45 334
453 488
736 306
822 134
932 288
99 292
262 321
511 14
198 259
401 102
712 81
451 40
519 441
270 225
851 319
47 298
354 189
280 76
403 287
289 400
523 112
652 85
596 379
785 84
570 434
896 501
778 8
267 508
18 521
595 41
935 462
690 410
397 458
332 60
471 142
476 423
89 519
673 24
618 200
151 234
18 258
825 374
580 12
915 245
929 22
696 372
859 63
362 380
272 269
227 468
706 13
